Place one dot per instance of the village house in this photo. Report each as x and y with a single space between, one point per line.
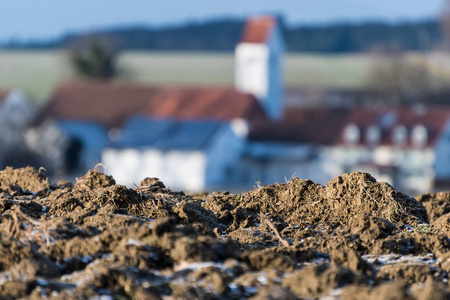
293 146
407 147
188 155
94 113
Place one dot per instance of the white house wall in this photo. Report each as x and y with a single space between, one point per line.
270 172
152 164
179 170
285 170
185 171
408 169
347 156
419 158
275 162
328 164
387 155
123 165
130 166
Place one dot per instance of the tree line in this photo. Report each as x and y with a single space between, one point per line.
223 34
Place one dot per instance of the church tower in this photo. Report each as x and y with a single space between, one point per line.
258 65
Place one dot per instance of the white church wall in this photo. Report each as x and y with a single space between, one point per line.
251 69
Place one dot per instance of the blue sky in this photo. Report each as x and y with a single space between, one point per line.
26 19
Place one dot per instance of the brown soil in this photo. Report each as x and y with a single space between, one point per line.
437 204
355 238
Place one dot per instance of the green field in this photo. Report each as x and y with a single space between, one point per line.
38 72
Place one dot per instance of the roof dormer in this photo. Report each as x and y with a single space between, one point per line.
373 135
352 134
419 136
399 135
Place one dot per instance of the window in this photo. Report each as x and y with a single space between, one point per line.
352 134
373 135
419 136
399 135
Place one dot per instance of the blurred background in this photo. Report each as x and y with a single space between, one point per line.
228 95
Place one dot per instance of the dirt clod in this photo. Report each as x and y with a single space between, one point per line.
28 179
354 238
93 179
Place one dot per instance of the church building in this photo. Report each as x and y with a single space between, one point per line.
259 68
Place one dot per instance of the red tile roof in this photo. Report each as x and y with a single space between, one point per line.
433 119
327 126
317 126
3 94
112 103
257 30
205 103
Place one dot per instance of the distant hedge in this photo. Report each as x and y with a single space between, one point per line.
223 34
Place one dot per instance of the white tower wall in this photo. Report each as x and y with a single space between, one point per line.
258 71
252 72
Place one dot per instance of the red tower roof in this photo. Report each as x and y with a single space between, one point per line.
257 30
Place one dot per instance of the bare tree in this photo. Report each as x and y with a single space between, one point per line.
402 78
